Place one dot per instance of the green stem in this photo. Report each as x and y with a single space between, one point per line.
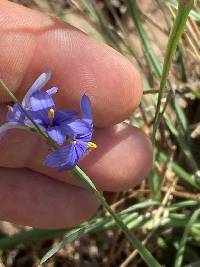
155 65
8 91
30 236
180 172
181 249
144 253
149 53
178 28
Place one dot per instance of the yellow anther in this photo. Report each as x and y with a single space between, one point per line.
92 145
51 113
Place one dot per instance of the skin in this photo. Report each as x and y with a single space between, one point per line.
30 193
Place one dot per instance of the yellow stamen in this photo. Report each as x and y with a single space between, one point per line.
51 113
92 145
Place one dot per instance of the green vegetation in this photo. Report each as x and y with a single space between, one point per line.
164 211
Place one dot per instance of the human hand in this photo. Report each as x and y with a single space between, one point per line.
30 193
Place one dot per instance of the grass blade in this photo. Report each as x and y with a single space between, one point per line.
144 253
181 249
193 14
71 237
178 28
27 237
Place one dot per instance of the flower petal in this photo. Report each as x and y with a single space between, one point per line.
7 126
66 157
60 157
65 116
16 115
75 154
81 148
41 101
37 85
79 127
56 134
40 117
38 121
86 108
52 91
86 137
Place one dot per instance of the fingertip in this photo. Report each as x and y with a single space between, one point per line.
122 160
85 66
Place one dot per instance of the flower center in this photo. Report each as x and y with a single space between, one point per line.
51 114
92 145
89 144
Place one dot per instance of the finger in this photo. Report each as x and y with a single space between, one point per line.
29 198
122 159
32 43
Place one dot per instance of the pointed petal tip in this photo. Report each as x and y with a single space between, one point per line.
44 77
85 98
86 107
39 83
52 91
47 73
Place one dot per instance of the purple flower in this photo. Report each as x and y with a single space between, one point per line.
79 140
16 114
15 117
55 123
75 129
39 105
